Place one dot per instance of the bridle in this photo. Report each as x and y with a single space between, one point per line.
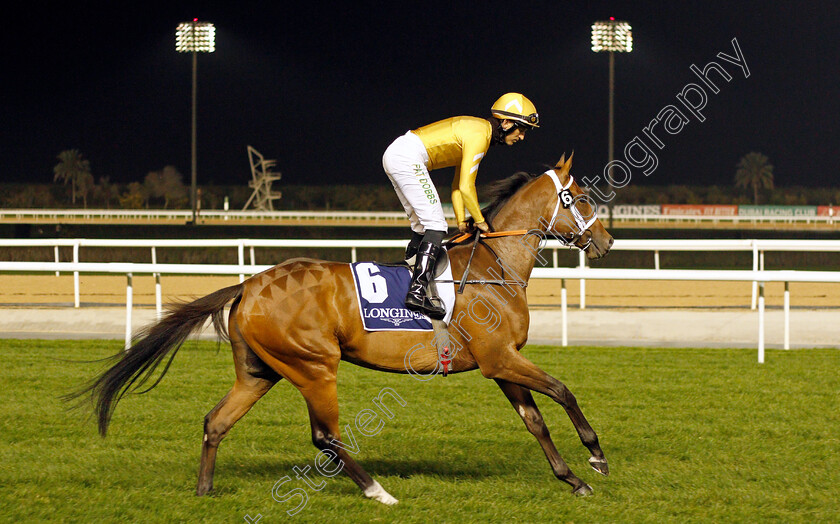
567 200
564 198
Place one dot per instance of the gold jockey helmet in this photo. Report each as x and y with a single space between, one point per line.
517 108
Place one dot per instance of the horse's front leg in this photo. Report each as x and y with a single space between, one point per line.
511 366
524 404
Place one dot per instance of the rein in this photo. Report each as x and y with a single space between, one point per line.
463 237
469 263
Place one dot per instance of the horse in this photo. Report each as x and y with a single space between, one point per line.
299 319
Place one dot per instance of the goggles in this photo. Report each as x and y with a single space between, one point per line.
531 120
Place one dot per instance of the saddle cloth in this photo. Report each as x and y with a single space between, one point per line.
381 291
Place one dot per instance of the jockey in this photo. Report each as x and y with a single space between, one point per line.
462 142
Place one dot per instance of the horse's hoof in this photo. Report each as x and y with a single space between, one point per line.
584 490
377 492
600 465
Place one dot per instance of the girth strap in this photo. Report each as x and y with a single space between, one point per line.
443 344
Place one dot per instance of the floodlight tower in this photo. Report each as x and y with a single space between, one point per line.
194 37
611 36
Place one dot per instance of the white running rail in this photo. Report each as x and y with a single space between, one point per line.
757 247
130 269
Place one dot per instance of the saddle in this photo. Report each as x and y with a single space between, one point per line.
441 331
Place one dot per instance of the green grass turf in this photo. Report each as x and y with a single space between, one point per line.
692 435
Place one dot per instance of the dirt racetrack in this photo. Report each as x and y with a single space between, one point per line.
51 290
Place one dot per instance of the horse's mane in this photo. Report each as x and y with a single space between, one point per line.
502 190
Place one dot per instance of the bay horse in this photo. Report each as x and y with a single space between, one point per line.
299 319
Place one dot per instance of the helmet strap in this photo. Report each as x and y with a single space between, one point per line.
498 136
499 133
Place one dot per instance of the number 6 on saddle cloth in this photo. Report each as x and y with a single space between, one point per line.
381 290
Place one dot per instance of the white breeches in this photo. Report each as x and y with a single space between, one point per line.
405 164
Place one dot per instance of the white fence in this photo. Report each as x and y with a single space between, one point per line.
757 247
757 274
758 277
130 269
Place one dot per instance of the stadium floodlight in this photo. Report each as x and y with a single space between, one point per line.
611 36
195 37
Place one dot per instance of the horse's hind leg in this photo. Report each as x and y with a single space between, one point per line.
523 403
322 400
253 379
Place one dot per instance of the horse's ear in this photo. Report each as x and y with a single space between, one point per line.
568 165
562 161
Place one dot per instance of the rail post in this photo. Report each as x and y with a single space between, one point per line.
761 322
755 268
129 299
76 301
158 294
582 265
787 315
564 314
240 251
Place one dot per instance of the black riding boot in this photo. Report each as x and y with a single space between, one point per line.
411 249
419 298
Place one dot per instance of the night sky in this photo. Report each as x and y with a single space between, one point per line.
325 89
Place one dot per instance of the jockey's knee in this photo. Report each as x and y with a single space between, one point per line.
434 236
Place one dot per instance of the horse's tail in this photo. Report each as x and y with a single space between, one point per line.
135 366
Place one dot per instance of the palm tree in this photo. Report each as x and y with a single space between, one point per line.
755 171
85 185
72 168
106 191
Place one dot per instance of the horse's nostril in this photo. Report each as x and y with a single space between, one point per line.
611 241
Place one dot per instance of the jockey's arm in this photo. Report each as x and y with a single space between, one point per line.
457 200
463 185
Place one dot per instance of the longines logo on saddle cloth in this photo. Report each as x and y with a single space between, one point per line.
381 290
